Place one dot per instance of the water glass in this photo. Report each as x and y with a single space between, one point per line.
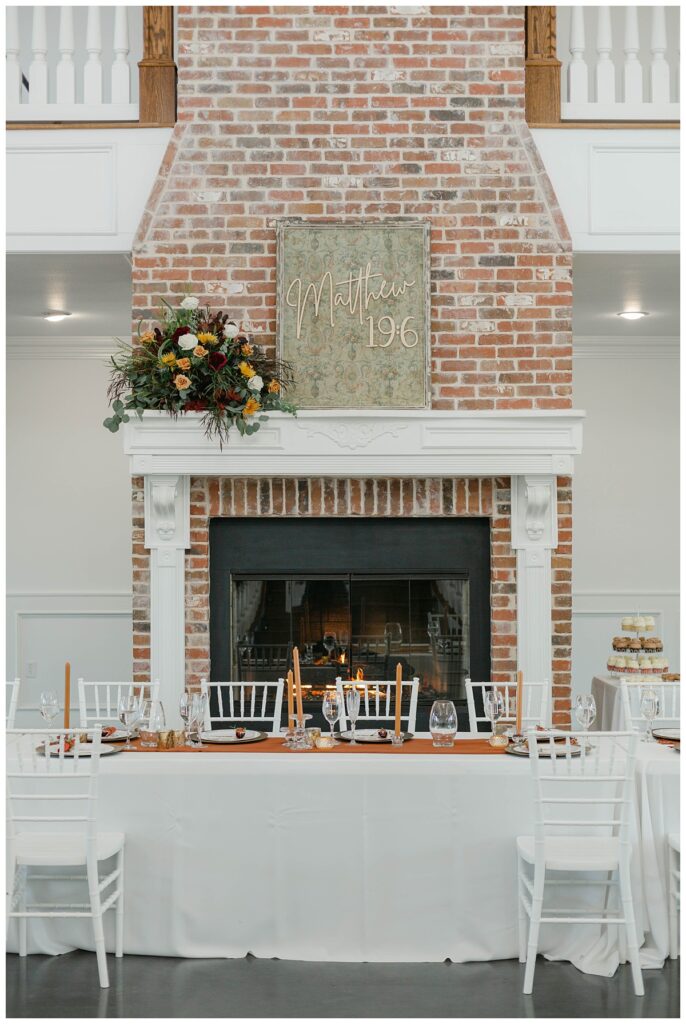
185 706
585 710
352 703
650 709
196 719
443 723
332 709
129 707
152 722
494 707
49 706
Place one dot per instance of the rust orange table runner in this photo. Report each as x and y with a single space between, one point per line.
274 745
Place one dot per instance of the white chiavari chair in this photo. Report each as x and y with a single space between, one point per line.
536 710
12 701
674 854
583 795
52 796
668 694
255 704
99 702
377 701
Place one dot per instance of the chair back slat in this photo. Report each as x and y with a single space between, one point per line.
12 701
669 696
590 774
247 703
99 701
536 708
382 706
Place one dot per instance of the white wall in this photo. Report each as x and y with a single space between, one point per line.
626 497
68 524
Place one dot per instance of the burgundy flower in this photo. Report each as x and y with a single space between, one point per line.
196 405
159 337
217 360
179 332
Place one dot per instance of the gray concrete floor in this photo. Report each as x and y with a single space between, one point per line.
67 986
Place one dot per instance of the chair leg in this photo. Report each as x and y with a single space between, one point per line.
98 931
522 910
119 943
630 926
534 929
673 907
23 921
621 930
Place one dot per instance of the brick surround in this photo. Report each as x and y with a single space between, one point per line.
367 113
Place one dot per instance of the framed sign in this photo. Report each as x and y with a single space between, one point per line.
353 308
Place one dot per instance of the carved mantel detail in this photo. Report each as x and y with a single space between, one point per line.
534 512
353 435
167 518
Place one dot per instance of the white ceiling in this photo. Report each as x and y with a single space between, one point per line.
97 291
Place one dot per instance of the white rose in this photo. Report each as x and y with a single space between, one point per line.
190 302
256 383
188 342
230 329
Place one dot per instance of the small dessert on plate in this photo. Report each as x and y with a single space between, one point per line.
628 622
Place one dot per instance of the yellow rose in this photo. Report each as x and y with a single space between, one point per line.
207 338
147 337
247 349
182 382
274 387
168 359
183 364
251 407
246 369
199 351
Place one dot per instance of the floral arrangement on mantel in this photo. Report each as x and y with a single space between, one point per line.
195 360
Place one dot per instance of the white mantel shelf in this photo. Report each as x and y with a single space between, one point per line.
369 443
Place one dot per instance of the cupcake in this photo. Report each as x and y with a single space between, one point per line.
611 665
620 664
639 622
634 646
649 622
632 664
627 622
645 664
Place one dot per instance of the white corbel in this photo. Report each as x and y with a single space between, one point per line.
167 511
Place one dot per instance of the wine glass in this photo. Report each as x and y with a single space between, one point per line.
332 709
494 707
49 706
650 709
585 710
129 706
152 721
185 707
352 703
196 719
443 723
329 641
393 633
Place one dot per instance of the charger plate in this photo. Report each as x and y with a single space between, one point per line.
369 736
674 735
228 736
83 751
521 750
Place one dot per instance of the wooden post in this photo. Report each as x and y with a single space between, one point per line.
157 70
542 68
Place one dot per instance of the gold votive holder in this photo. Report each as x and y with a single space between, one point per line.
499 738
324 742
165 739
313 734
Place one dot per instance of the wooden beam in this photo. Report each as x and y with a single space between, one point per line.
157 70
542 68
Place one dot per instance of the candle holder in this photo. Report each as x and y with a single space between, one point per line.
397 740
300 740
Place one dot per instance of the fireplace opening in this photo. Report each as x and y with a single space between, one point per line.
356 597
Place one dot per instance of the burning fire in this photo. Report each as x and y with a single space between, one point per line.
341 659
359 676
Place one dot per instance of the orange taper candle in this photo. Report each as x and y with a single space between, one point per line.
298 687
289 684
67 693
520 700
398 696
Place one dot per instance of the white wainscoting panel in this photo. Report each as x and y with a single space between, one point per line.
92 630
596 618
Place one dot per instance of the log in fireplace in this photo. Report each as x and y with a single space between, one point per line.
356 596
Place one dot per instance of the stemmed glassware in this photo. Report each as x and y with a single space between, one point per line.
196 719
650 709
585 710
129 707
494 707
332 707
443 723
352 703
185 708
49 706
330 643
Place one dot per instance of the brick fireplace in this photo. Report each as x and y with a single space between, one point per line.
366 113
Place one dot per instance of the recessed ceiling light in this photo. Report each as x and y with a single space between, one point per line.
55 315
633 314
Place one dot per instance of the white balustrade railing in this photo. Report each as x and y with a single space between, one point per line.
619 63
73 63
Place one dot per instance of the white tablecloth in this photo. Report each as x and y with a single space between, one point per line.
608 702
340 858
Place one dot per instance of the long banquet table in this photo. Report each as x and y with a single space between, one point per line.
332 857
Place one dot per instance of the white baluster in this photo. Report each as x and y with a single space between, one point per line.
605 69
633 72
38 71
659 68
66 71
121 78
12 67
92 72
577 72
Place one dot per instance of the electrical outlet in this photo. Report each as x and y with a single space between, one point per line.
31 669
